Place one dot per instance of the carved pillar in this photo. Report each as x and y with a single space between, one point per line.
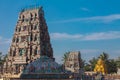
17 52
28 55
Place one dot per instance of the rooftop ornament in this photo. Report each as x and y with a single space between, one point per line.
31 7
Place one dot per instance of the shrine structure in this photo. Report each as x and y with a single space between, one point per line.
73 62
30 41
100 67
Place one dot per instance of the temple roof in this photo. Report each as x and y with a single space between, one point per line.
31 8
43 65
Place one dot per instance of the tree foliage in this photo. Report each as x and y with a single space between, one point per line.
118 62
104 56
2 58
93 62
87 67
111 64
65 56
90 66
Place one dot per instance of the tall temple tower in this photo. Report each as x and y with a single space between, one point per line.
30 40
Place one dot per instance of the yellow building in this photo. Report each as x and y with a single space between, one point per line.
100 67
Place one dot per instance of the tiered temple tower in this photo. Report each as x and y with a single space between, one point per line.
30 40
73 62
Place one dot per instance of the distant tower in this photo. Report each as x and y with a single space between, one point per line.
30 40
74 62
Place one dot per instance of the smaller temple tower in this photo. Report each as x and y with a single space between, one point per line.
73 62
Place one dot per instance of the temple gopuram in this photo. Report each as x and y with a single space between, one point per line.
73 62
30 41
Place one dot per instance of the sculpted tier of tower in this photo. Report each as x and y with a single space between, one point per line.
30 40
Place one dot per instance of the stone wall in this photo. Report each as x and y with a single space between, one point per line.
41 79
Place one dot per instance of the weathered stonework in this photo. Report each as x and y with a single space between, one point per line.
73 62
30 41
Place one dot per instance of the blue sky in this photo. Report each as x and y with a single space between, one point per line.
90 27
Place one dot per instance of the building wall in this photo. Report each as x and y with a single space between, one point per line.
41 79
118 72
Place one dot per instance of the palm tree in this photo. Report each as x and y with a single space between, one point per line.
1 58
65 56
118 62
104 56
92 62
64 59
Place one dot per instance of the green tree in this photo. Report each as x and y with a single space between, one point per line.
87 67
112 66
118 62
2 58
91 64
65 56
82 63
104 56
110 63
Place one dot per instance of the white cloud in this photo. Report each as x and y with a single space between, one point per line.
103 35
4 40
103 19
84 9
65 36
91 36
